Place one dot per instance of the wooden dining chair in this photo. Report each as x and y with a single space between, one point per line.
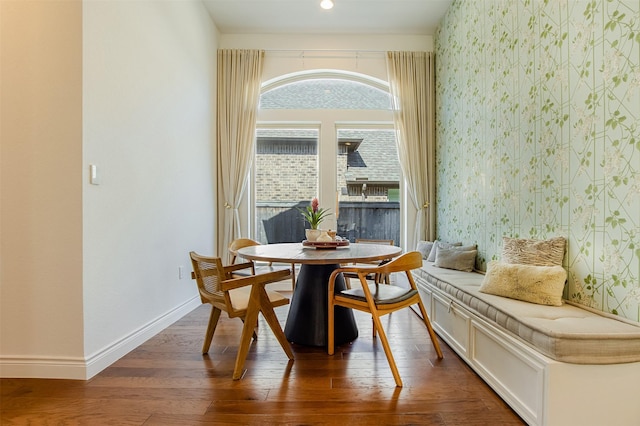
379 300
371 277
239 243
242 297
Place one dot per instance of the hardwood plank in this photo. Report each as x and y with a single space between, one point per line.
167 381
21 417
86 406
331 418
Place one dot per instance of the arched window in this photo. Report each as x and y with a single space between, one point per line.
328 135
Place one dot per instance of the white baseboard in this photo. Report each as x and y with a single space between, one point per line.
86 368
28 367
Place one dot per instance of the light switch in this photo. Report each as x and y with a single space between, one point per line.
93 175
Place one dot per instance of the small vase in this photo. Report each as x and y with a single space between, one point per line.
312 234
324 237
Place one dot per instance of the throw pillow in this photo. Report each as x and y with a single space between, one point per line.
533 252
530 283
434 249
453 258
424 247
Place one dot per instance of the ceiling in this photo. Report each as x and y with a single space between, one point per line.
402 17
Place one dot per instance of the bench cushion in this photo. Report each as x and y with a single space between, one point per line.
566 333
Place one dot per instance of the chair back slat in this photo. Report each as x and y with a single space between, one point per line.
239 243
407 262
208 276
370 241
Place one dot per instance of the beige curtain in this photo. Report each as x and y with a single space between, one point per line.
239 77
412 83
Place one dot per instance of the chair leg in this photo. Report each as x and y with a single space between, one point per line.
330 322
258 302
270 316
248 330
387 349
255 328
293 276
432 334
211 328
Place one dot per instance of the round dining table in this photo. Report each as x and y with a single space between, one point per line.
307 318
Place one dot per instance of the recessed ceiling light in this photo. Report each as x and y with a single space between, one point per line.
326 4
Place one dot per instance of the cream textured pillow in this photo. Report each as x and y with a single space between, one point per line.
424 247
536 284
454 258
436 245
533 252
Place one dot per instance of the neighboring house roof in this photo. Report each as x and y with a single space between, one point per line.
325 94
376 158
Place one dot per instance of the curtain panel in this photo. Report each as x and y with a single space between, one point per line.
238 94
412 86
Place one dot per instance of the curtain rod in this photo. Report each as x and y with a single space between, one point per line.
327 50
326 53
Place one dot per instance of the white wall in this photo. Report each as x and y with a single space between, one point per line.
302 52
149 77
40 196
130 87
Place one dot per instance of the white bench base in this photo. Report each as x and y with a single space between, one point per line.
541 390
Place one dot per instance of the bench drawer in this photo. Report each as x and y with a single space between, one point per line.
451 322
512 371
427 296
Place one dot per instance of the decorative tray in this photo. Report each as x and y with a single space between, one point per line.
325 244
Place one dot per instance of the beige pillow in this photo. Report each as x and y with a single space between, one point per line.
536 284
424 247
454 258
436 245
533 252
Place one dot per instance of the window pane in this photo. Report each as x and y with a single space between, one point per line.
368 184
325 94
286 177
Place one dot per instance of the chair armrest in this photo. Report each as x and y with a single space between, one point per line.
227 269
259 279
237 266
356 269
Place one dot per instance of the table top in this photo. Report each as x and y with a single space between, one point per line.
297 253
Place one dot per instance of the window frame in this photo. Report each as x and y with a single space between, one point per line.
327 122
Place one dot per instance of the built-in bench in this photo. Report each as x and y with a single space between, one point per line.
554 365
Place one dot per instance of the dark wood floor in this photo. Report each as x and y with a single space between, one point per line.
166 381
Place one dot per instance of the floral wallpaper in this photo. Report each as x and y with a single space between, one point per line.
538 111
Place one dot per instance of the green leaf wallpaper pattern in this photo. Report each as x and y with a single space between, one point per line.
538 111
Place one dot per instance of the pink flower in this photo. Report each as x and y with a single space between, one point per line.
313 213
